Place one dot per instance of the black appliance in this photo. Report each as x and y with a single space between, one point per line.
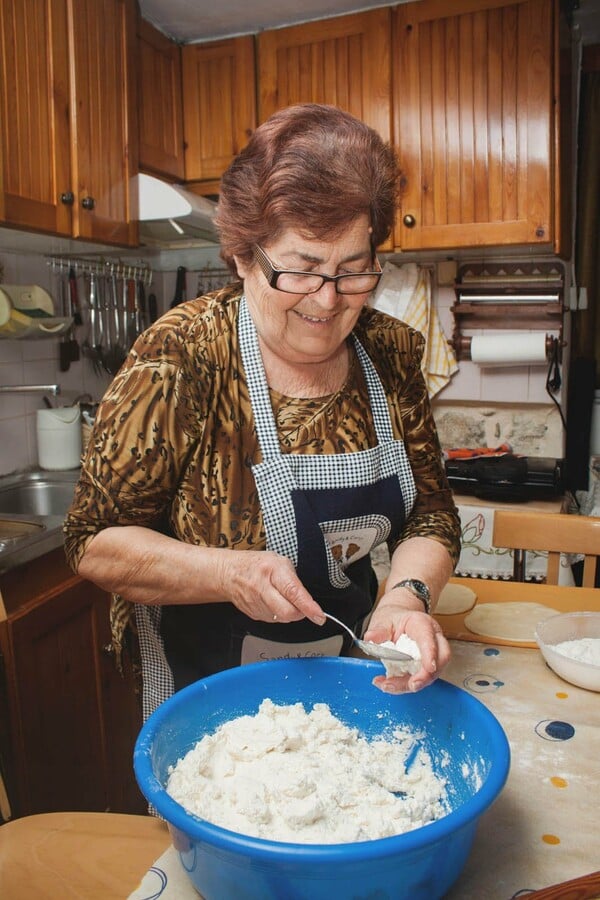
507 478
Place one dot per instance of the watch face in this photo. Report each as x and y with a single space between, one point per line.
419 587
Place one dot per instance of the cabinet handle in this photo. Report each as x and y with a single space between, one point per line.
68 198
409 221
88 203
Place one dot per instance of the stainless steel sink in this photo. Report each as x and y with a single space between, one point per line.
33 505
37 493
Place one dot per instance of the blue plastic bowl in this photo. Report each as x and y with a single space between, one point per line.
462 737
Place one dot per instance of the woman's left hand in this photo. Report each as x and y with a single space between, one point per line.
388 622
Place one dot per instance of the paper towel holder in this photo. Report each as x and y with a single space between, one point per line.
515 296
462 347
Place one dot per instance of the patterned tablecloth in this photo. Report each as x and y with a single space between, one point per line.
544 826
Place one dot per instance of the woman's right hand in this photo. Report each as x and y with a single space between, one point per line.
265 586
145 566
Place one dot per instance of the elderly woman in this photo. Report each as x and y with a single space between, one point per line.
261 441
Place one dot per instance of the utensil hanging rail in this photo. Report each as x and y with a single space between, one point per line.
137 272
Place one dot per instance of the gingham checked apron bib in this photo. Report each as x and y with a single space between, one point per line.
324 512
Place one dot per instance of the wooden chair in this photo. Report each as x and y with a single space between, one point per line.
554 532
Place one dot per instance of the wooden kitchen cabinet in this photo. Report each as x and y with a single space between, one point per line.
72 718
344 61
474 123
160 104
219 105
67 100
34 113
104 128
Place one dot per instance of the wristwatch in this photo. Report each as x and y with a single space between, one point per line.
418 588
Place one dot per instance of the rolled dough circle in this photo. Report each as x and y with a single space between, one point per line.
508 621
455 598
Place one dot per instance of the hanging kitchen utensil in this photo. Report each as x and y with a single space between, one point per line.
179 287
76 309
142 322
115 353
92 346
68 348
124 313
152 308
131 311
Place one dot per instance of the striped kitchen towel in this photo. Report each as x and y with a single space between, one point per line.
405 292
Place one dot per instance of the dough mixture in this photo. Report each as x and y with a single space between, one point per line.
455 598
404 644
288 775
508 621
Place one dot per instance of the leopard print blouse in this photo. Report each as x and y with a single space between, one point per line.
174 438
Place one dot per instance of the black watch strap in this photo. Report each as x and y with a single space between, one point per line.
418 588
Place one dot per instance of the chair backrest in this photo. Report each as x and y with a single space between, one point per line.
555 532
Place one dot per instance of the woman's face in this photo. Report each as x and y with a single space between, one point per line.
308 328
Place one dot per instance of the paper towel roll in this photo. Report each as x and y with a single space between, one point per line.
507 348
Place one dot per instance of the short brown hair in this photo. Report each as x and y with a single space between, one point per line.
311 167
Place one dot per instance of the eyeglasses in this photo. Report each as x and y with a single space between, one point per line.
310 282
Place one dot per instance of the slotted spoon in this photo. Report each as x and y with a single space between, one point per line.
370 648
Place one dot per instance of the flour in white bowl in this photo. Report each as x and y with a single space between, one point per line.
285 774
585 650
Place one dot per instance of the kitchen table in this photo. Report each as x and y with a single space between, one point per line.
542 829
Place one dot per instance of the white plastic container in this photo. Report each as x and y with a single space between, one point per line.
59 437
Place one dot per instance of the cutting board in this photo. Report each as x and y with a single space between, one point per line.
562 599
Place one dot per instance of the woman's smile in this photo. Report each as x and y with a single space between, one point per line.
313 319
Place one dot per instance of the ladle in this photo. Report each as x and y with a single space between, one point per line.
371 648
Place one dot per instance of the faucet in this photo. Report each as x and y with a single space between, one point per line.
53 389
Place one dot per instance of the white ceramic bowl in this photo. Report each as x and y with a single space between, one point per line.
570 627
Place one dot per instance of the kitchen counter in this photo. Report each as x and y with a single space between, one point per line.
542 829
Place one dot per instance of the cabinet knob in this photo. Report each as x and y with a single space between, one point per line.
68 198
88 203
108 649
409 221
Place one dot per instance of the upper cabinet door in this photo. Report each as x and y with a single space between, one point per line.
160 106
34 115
343 61
219 104
102 34
473 122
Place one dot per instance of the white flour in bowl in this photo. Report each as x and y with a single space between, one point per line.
288 775
585 650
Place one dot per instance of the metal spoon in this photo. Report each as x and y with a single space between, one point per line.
370 648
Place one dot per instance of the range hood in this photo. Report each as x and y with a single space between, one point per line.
171 216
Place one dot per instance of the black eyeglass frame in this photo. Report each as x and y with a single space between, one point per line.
272 275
